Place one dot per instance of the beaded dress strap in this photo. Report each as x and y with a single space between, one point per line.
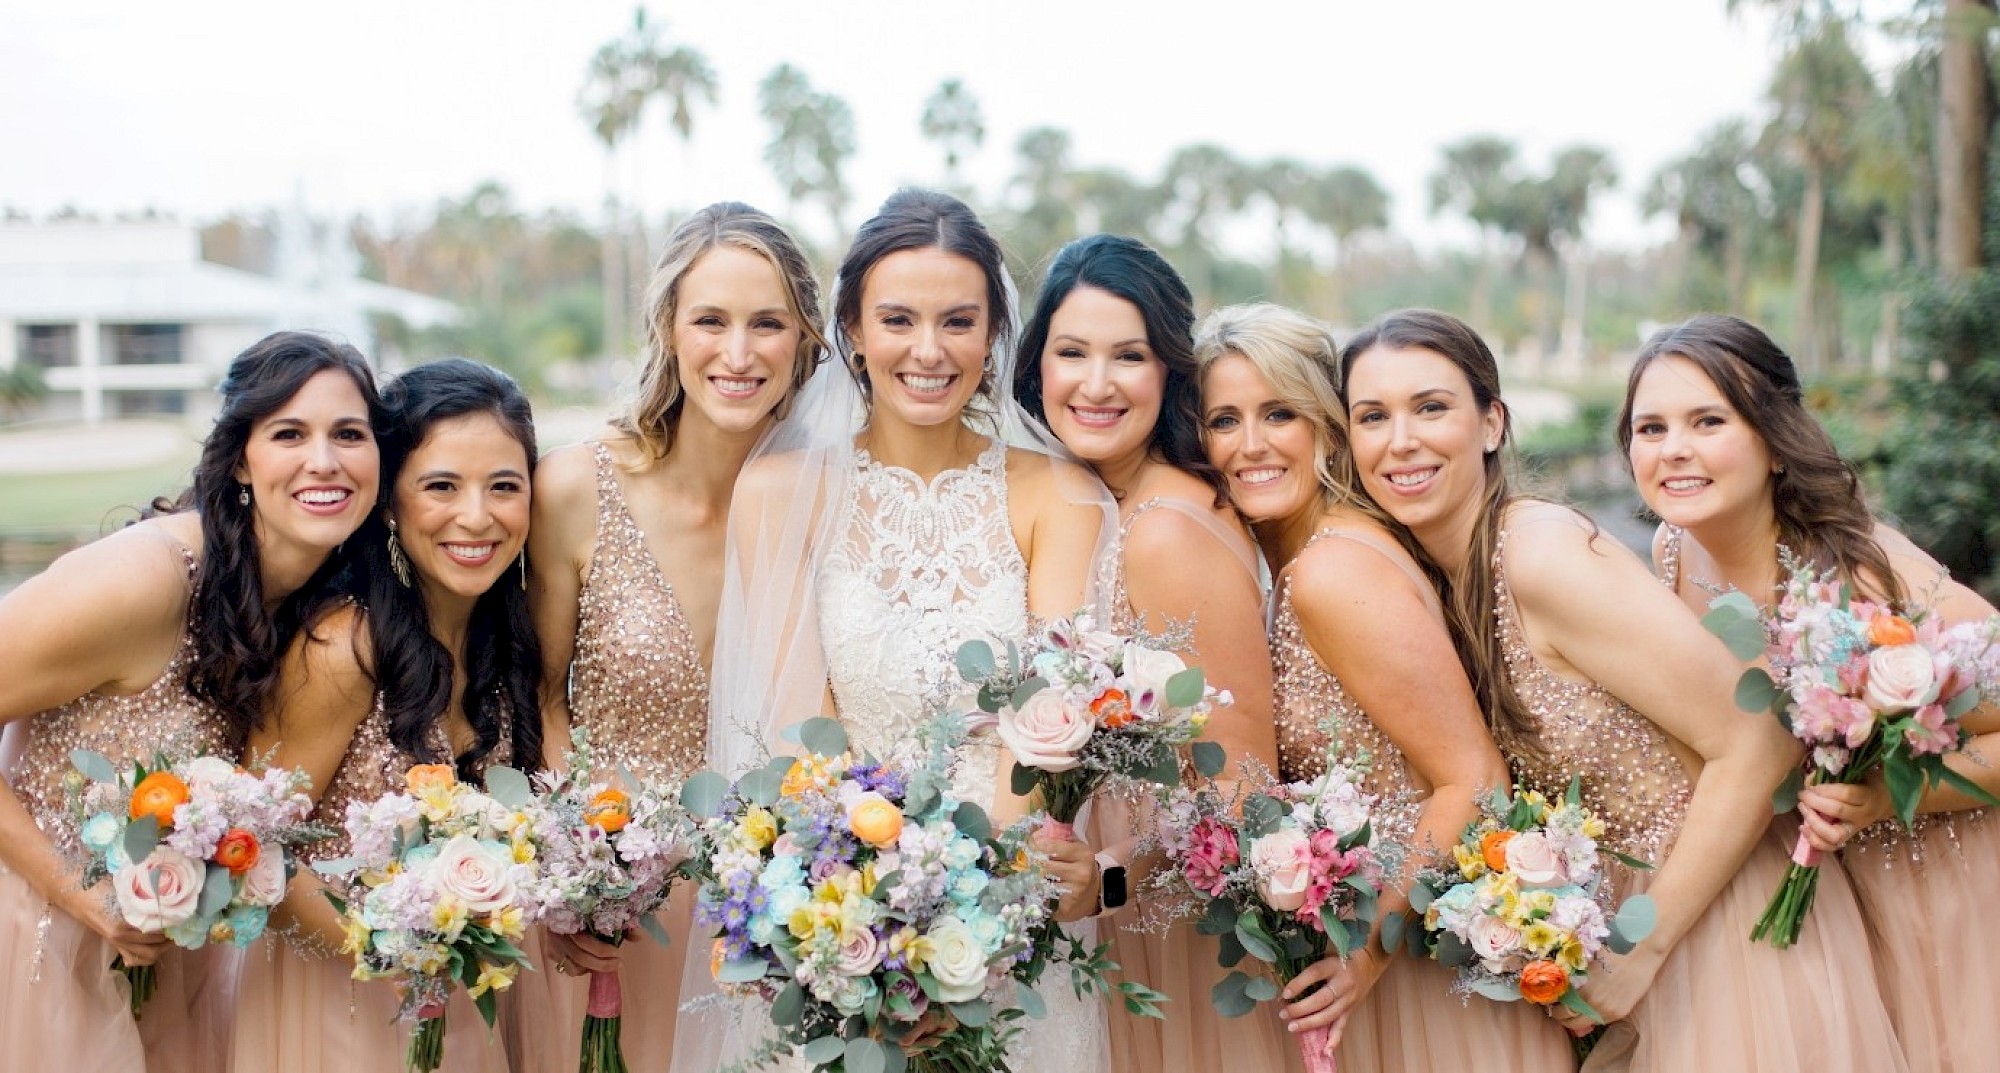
1670 558
1385 550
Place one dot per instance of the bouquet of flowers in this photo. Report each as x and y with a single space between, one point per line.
196 849
866 906
608 855
1523 913
1083 706
444 878
1867 688
1286 876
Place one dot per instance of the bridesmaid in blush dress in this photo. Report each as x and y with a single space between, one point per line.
1590 669
431 661
1363 659
1107 363
1724 451
164 636
628 545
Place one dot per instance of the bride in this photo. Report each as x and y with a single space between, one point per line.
903 510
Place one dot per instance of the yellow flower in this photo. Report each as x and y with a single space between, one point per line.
1571 956
436 802
1541 936
1593 827
758 828
524 852
354 935
911 946
493 978
508 922
1470 864
448 916
1538 904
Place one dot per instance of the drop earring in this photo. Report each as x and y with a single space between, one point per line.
242 495
398 562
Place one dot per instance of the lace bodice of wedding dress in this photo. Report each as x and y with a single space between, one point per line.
917 569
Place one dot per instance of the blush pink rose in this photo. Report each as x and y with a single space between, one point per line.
1492 940
264 883
1535 862
1046 733
473 872
160 892
1900 678
1283 863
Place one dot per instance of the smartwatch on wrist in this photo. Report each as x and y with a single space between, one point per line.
1112 892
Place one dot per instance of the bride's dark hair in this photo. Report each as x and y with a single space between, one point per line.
915 219
1135 272
502 659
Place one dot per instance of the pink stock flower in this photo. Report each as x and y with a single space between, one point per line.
1212 853
1931 731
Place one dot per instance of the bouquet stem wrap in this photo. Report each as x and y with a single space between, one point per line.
427 1040
601 1052
1312 1047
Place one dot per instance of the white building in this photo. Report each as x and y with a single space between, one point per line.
124 319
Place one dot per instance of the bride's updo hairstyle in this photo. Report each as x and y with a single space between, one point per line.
916 219
1821 511
1129 269
653 415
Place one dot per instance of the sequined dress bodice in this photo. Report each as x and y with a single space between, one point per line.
637 681
163 718
917 569
1312 709
1630 775
373 767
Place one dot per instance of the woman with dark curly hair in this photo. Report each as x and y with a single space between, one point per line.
165 636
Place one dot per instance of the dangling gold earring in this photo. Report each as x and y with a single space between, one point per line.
398 562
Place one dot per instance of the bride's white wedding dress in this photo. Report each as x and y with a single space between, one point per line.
917 568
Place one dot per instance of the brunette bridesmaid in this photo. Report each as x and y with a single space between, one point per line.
165 636
1107 363
628 548
1588 667
432 661
1725 452
1363 661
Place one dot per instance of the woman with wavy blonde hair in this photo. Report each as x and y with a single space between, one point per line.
627 545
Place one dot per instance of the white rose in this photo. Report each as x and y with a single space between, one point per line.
1046 733
1146 674
860 954
1492 940
1344 810
957 961
1534 861
1283 863
1900 678
476 873
264 883
161 891
207 774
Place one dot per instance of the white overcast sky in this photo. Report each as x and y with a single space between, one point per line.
199 107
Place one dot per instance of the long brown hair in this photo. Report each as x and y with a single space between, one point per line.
1470 604
1816 495
653 416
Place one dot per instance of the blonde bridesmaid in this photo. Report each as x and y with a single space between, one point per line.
628 548
1588 668
1724 451
164 636
1363 658
1107 363
431 661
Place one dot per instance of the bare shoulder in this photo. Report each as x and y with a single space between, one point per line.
1183 526
1049 484
1334 577
1554 550
567 475
137 572
329 660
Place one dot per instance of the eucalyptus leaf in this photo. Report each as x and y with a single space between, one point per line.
1786 797
1219 919
1336 933
216 889
1231 995
864 1055
1230 952
975 661
141 837
922 798
1756 691
1906 784
1392 932
761 787
1497 988
1209 758
1636 918
1027 689
508 786
1030 1002
93 765
1734 618
650 923
823 737
1956 707
1261 816
1451 951
743 970
972 822
1261 989
973 1014
703 792
1185 688
790 1007
1572 1001
1022 781
825 1049
1250 932
338 866
1164 768
1421 897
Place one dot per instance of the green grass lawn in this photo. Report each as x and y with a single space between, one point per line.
84 503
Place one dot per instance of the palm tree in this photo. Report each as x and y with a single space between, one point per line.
614 95
1204 184
1283 184
812 136
1048 217
1715 209
953 120
1474 179
1119 203
1965 97
1345 201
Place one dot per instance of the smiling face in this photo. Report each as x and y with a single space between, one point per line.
1261 443
461 506
1102 385
312 467
923 332
735 338
1695 459
1420 438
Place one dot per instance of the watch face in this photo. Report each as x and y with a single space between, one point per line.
1113 893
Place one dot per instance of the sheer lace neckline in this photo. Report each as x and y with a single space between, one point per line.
991 461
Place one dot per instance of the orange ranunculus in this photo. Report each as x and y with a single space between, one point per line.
875 820
1493 849
157 795
237 851
1111 709
425 776
1544 982
1887 630
609 811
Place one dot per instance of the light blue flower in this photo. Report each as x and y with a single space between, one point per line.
100 831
